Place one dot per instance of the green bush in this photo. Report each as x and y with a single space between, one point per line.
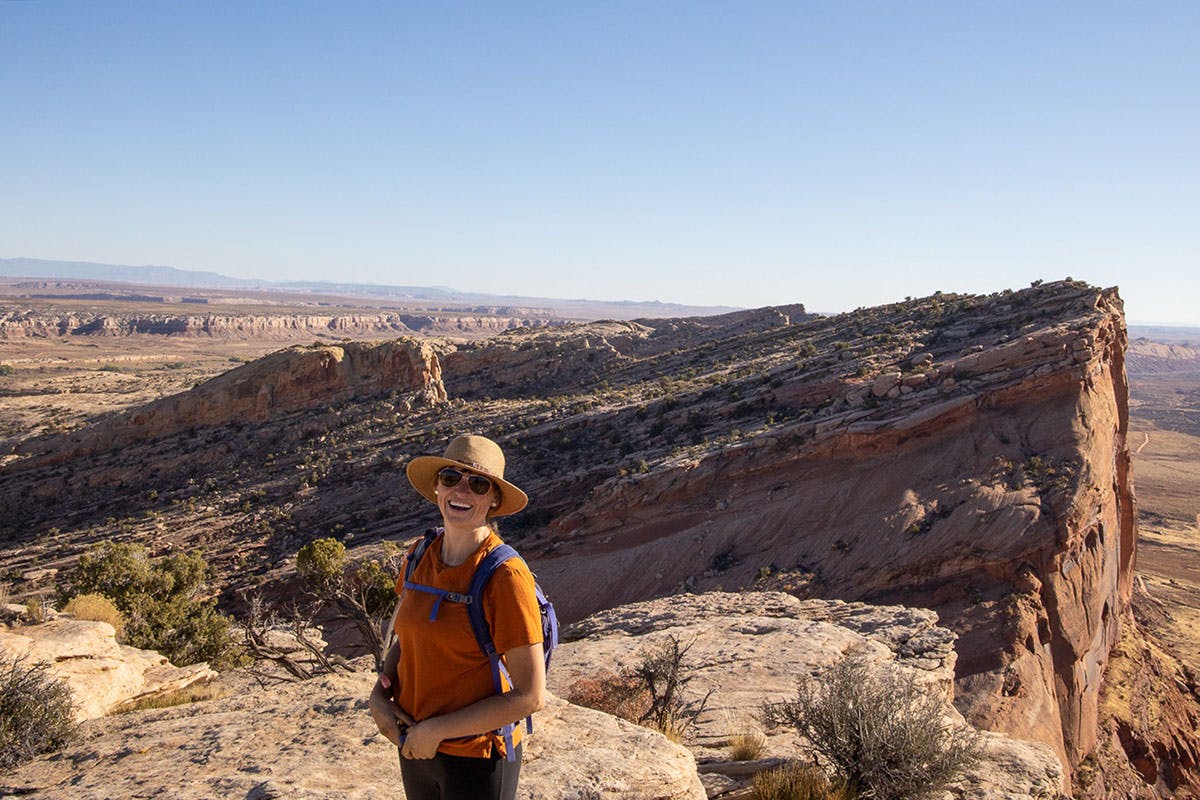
160 600
883 732
36 712
360 590
321 563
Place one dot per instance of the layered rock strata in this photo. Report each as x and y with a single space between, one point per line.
282 327
989 482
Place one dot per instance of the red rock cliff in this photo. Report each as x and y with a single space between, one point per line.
991 483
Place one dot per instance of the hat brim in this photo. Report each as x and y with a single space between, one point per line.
422 472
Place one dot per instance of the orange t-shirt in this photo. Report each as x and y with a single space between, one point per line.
441 667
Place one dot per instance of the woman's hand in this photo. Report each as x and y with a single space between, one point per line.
389 717
422 740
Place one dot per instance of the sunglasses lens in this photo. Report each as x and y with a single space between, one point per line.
449 477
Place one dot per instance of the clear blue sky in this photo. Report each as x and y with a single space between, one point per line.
836 154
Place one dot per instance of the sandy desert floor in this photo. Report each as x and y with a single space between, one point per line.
1167 481
58 384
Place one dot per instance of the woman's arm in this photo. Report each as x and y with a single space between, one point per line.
526 668
388 715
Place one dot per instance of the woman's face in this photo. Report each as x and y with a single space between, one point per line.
460 506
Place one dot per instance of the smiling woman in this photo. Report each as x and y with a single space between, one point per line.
438 698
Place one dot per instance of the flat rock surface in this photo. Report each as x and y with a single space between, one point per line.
748 648
316 740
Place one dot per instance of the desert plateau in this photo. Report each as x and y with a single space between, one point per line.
1000 493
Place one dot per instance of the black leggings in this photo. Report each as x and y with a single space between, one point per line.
446 777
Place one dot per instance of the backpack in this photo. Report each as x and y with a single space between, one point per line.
473 600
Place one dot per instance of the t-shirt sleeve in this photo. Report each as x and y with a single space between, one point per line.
510 604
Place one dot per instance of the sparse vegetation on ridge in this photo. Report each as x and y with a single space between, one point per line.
883 733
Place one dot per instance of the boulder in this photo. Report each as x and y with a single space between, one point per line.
101 674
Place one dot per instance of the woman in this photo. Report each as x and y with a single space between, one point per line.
435 699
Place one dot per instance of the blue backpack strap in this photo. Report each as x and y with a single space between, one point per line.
410 565
483 633
479 624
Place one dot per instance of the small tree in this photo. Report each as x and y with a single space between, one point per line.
160 600
36 711
361 592
661 671
880 730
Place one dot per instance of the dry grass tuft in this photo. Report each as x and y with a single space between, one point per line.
747 746
97 608
796 781
192 694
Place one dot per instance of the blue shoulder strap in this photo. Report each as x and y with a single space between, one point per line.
414 558
483 573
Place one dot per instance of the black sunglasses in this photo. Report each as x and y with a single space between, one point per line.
450 477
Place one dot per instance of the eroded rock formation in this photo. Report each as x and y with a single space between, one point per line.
282 327
102 675
751 647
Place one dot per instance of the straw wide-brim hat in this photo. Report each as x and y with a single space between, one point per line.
476 453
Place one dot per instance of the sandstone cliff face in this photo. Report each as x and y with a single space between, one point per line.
281 327
996 489
297 378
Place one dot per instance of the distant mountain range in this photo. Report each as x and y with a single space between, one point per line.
198 279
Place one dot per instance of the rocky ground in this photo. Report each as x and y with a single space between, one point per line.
315 739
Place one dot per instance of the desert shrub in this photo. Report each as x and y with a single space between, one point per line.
321 562
98 608
649 693
621 695
35 610
36 712
880 730
160 600
662 672
795 781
